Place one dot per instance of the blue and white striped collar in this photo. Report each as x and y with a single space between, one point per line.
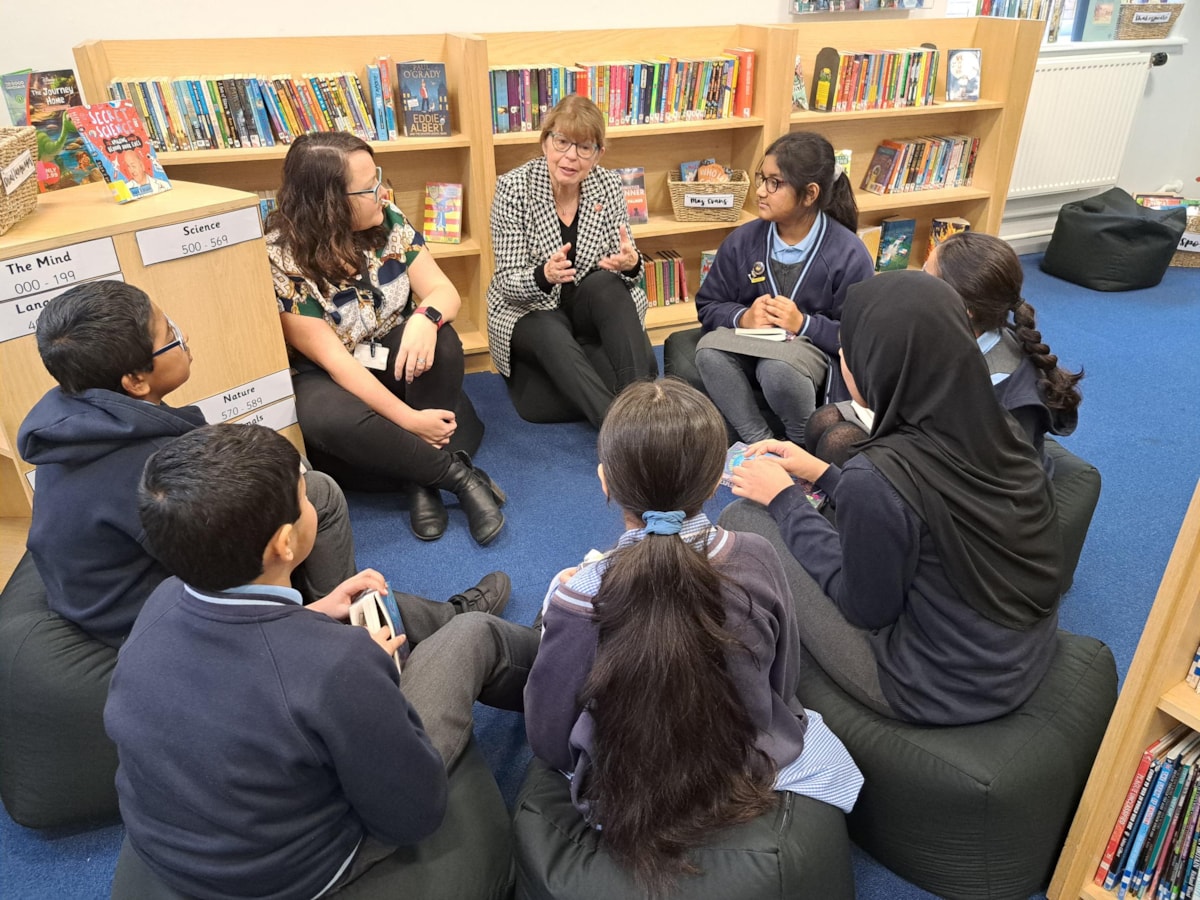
270 594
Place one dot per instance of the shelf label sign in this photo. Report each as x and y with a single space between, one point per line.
18 171
238 401
277 416
709 201
24 276
1151 18
18 318
1189 243
185 239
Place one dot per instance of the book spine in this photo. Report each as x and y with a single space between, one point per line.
1137 845
308 125
227 87
375 85
247 126
206 122
365 113
279 125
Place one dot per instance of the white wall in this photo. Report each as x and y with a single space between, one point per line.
1166 145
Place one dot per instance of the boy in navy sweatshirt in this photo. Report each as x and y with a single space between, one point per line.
265 749
115 356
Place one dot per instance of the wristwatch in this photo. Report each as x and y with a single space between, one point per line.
431 314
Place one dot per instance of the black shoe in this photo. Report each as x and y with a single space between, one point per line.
426 513
489 596
477 495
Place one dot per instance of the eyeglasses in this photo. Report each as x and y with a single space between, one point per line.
773 184
178 342
375 191
562 143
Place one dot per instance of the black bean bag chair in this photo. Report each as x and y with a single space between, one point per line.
1112 243
976 812
468 858
56 763
1076 492
798 850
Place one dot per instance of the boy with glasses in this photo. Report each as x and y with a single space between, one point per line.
115 356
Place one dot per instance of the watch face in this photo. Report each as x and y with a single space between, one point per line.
434 315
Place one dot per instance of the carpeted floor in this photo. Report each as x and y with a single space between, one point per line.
1134 346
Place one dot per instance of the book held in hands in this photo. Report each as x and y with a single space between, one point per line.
373 611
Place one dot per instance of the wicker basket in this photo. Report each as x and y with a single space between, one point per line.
1189 259
715 192
23 200
1146 21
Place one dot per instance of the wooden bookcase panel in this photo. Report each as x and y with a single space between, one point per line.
1153 699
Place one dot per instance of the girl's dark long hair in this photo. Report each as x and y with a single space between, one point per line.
313 213
804 158
987 274
675 755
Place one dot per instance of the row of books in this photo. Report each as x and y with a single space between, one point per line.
890 243
811 6
846 80
441 212
664 278
233 111
628 92
920 164
1153 846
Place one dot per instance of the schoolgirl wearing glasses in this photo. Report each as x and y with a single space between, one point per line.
565 313
787 271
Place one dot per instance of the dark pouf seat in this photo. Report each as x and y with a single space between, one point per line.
1112 243
468 858
1076 492
56 763
798 850
976 811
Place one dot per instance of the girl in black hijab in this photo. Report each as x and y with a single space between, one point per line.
935 599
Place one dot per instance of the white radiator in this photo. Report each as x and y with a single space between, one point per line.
1078 122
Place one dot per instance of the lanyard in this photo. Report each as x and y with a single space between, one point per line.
820 225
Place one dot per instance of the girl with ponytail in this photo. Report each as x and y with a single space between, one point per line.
666 679
1030 384
789 269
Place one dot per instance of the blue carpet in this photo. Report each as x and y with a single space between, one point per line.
1132 345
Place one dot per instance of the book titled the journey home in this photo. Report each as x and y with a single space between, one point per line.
116 139
425 98
41 99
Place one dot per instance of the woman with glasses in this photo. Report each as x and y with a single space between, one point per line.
788 273
565 313
366 314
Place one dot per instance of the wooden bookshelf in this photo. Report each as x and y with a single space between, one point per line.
408 163
473 155
1010 48
1153 699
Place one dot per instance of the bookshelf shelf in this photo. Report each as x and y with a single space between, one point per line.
814 120
473 155
872 203
1153 699
1183 704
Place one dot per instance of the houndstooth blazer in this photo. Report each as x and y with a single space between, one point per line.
526 232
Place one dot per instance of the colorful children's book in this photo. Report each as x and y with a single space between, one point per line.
443 213
962 74
799 93
736 455
844 158
895 243
15 87
116 139
424 97
879 170
707 257
373 611
870 237
943 226
633 183
62 161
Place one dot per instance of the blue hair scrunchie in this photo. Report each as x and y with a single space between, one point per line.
663 522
